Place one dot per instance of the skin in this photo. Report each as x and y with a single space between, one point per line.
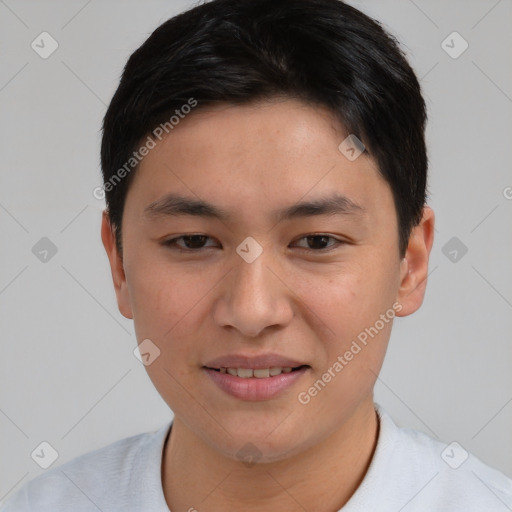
251 160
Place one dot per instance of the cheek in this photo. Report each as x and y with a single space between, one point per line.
349 300
167 303
165 298
350 304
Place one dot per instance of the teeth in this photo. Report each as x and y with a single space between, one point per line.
245 373
260 373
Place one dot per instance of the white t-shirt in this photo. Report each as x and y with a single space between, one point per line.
409 472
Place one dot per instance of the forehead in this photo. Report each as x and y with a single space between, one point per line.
254 157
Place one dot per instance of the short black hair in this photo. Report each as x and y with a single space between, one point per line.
322 52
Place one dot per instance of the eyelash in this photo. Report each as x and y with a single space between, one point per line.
171 244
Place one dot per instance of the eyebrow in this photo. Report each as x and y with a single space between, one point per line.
173 205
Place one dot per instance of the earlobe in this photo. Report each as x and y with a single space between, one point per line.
414 266
116 267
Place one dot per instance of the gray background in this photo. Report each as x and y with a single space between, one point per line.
68 373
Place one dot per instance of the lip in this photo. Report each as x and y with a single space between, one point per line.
254 388
255 362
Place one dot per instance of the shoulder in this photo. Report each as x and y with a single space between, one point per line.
104 479
442 476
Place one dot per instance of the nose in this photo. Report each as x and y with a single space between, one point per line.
254 297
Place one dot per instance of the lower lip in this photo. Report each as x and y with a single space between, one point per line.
254 388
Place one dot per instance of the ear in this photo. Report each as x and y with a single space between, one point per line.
116 266
414 266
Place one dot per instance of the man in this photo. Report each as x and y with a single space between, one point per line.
265 173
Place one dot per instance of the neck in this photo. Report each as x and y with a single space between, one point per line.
197 477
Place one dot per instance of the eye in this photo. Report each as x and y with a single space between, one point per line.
320 242
196 242
192 242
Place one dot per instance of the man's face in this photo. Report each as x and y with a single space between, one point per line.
302 301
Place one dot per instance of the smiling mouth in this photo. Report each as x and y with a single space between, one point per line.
258 373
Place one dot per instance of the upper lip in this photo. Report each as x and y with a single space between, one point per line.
254 362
